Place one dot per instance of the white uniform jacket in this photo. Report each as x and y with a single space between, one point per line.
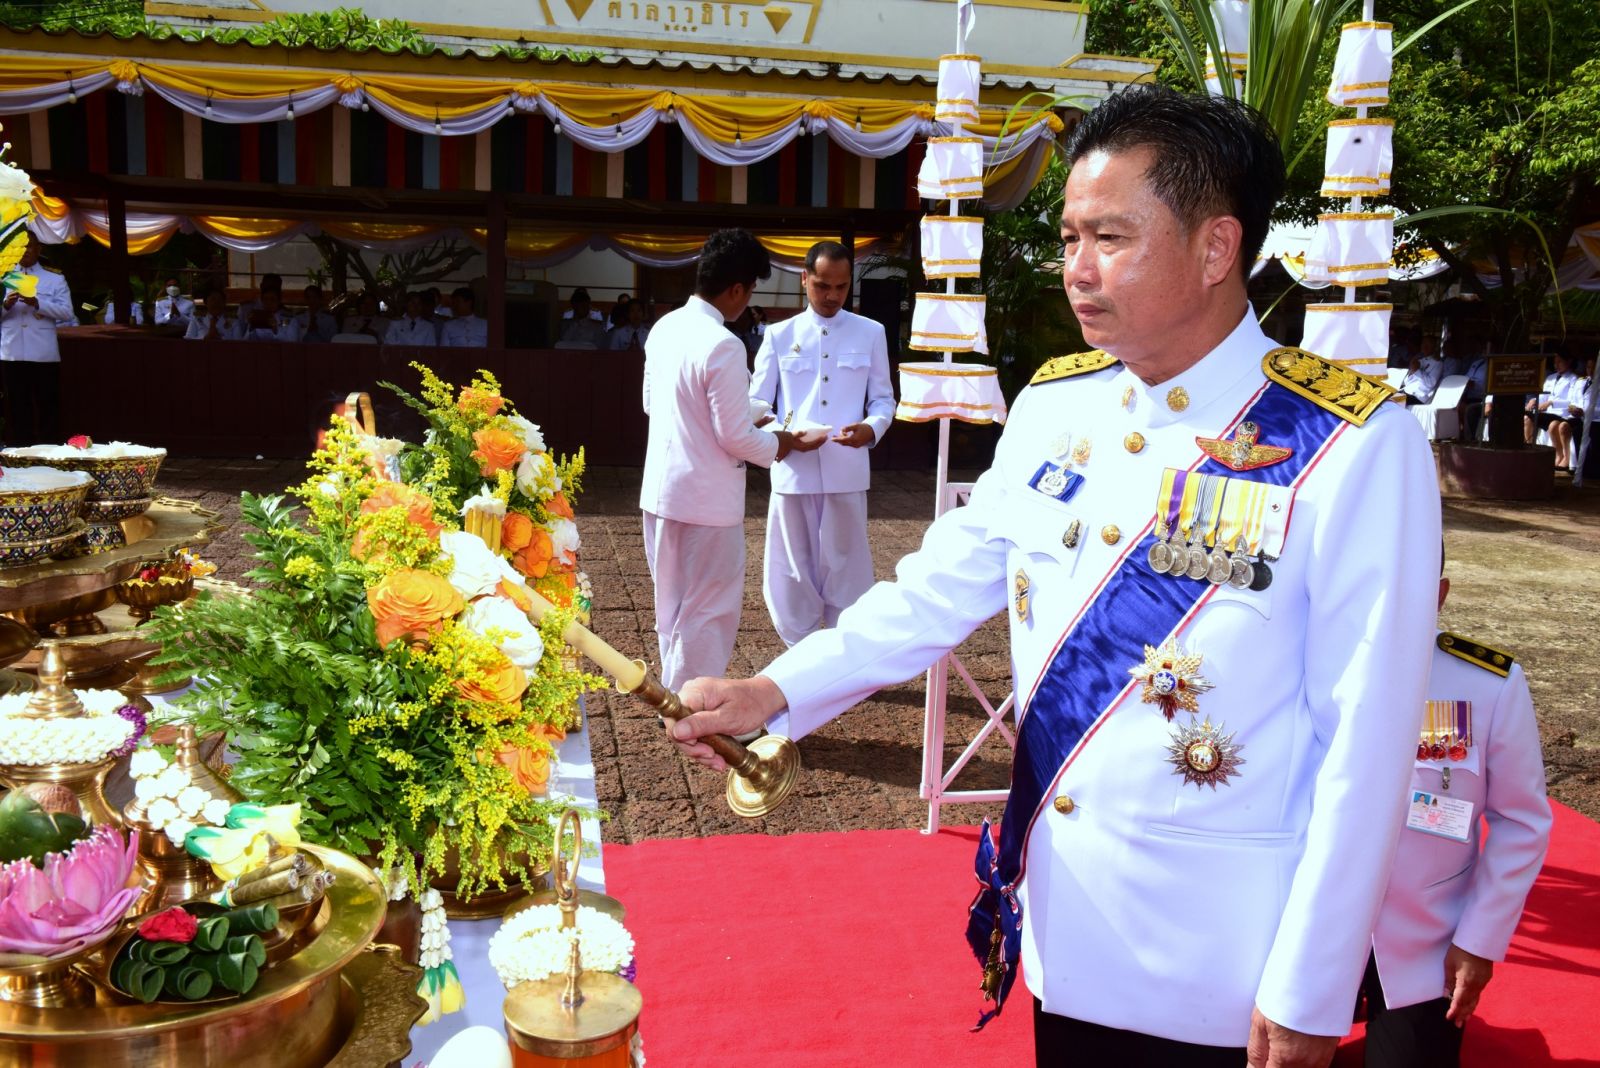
1153 904
322 329
200 328
467 332
284 329
1442 890
28 333
697 395
178 310
409 331
829 372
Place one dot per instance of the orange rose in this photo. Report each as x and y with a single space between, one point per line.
517 595
533 559
558 505
515 532
412 604
481 401
498 450
418 505
501 685
529 766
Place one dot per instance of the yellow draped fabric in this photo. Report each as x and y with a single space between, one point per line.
234 83
235 226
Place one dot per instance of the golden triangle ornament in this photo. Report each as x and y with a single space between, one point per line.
1171 678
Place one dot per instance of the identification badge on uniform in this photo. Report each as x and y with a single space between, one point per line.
1441 816
1055 481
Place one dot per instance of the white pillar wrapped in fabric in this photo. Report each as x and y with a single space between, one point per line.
1352 248
952 246
1362 65
1359 158
1352 335
959 81
949 322
1232 19
952 169
969 392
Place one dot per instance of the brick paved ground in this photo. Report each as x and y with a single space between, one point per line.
1523 580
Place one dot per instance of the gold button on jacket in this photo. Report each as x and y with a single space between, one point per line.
1065 805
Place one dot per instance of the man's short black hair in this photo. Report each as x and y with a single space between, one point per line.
272 281
729 258
1213 156
580 294
828 250
312 287
467 295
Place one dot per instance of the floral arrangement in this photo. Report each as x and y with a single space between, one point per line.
385 673
16 208
70 898
109 727
532 945
183 567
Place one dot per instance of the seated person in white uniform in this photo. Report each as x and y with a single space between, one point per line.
1455 897
582 326
366 319
414 327
316 323
214 323
464 330
173 307
632 333
270 321
136 311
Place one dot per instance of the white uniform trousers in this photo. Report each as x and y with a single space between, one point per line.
818 560
699 588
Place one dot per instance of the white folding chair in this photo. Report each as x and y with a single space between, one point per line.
1439 417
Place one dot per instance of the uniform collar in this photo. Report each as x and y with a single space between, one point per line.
706 308
819 323
1212 377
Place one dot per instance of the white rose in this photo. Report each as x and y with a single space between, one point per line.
528 432
532 471
161 812
523 645
563 537
146 763
15 183
474 570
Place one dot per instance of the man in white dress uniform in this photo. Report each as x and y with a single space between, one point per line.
829 367
697 395
414 327
1217 558
30 356
1454 897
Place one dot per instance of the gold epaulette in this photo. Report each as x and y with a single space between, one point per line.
1079 363
1477 653
1348 394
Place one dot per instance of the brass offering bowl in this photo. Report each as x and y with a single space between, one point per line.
306 1012
51 982
142 598
115 511
20 553
115 478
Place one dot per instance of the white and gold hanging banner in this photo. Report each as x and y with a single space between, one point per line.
968 392
1353 335
959 81
952 246
1359 158
1362 65
1352 248
1214 83
1232 19
948 322
952 169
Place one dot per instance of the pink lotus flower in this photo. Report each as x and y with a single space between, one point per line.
77 896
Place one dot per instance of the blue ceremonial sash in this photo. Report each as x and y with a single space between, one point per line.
1135 607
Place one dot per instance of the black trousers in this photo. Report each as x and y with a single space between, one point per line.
1062 1042
1417 1036
33 402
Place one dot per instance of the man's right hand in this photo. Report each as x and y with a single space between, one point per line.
799 441
723 706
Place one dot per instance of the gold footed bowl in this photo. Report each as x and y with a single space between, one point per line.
332 1003
486 903
53 983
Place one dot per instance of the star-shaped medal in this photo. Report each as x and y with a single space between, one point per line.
1171 678
1203 754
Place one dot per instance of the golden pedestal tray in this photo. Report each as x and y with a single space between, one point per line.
335 1002
67 597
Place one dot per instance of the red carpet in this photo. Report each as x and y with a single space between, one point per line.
847 950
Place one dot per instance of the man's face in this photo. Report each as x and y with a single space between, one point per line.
30 255
580 307
216 303
635 314
414 307
1133 275
271 301
314 299
827 287
460 307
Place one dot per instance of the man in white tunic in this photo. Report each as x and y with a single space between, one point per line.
697 395
464 330
1455 896
30 357
1217 558
827 367
414 327
173 307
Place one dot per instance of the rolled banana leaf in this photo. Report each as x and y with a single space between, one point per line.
187 982
212 934
251 947
253 919
160 954
137 979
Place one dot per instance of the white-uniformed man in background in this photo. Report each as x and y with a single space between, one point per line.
30 359
697 395
1217 558
464 330
214 323
829 367
1455 897
269 321
414 327
108 315
316 323
172 306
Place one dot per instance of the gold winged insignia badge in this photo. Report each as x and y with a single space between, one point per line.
1244 453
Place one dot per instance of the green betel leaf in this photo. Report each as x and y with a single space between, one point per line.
251 946
158 953
187 982
252 919
137 979
211 935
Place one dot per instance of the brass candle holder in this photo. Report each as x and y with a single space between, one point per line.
761 775
582 1017
54 699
